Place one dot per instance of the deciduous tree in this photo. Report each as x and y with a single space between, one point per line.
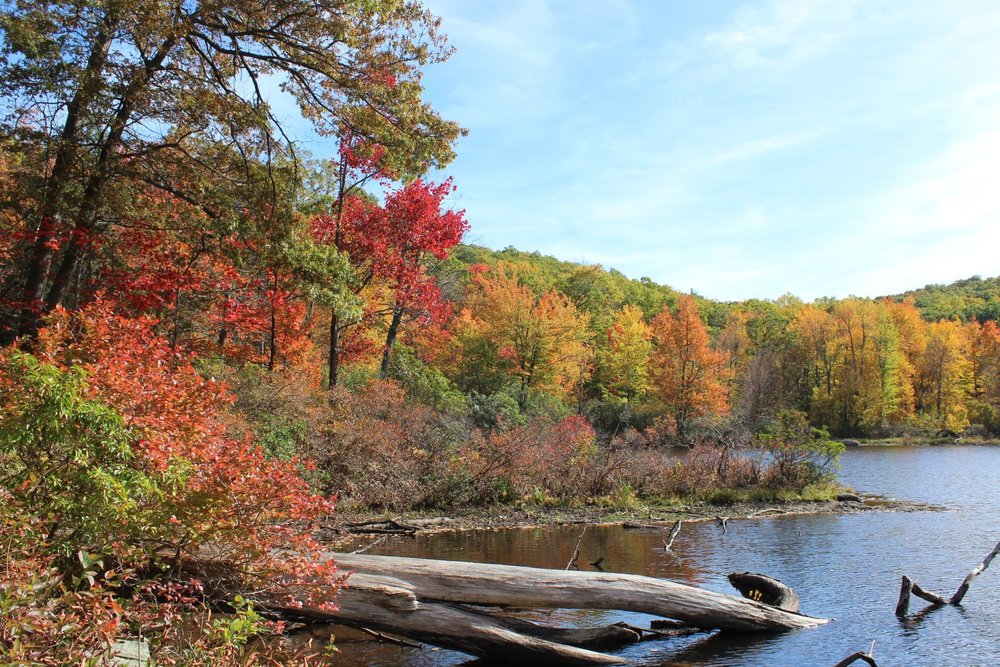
687 375
625 364
109 98
539 339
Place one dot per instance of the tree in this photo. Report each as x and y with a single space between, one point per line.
412 226
687 375
984 370
984 360
388 246
942 375
625 364
539 339
114 97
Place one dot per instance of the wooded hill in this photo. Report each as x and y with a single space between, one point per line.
924 360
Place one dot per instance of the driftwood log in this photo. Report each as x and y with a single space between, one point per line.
428 601
526 587
908 587
763 588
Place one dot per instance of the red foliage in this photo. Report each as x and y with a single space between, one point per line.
218 490
389 245
152 269
556 459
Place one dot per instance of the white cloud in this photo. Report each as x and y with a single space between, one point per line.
784 33
956 191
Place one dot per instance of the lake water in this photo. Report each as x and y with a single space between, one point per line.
845 567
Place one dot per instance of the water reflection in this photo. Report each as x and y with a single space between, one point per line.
843 567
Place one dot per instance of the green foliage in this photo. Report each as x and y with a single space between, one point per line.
541 404
241 626
424 383
281 436
70 459
496 411
801 454
624 497
592 288
985 415
974 297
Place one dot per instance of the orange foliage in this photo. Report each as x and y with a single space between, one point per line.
687 375
217 490
984 360
540 339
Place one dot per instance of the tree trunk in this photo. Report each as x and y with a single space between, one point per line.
89 206
333 370
390 340
512 586
55 187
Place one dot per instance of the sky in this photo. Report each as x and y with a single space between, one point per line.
737 149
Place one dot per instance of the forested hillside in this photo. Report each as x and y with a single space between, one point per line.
921 361
973 298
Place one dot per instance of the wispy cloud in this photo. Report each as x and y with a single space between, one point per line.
782 34
817 146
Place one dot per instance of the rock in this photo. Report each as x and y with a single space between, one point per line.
849 497
131 653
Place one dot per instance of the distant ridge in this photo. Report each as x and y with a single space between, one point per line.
974 297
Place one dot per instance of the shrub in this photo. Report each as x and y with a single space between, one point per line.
379 451
198 485
425 384
554 458
70 458
48 617
800 455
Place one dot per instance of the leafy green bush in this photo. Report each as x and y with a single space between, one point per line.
70 459
425 384
800 454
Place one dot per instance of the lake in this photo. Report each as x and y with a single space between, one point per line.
845 567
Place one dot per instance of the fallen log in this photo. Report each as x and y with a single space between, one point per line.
909 587
525 587
382 527
763 588
376 603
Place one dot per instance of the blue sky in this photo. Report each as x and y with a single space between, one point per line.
749 149
737 149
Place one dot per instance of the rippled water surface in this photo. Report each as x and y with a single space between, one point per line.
843 567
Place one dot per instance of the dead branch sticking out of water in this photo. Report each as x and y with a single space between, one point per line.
860 655
674 532
371 545
909 587
576 550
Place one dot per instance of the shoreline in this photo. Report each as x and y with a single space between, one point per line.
977 441
351 525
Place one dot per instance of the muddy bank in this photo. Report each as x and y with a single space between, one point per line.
350 528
